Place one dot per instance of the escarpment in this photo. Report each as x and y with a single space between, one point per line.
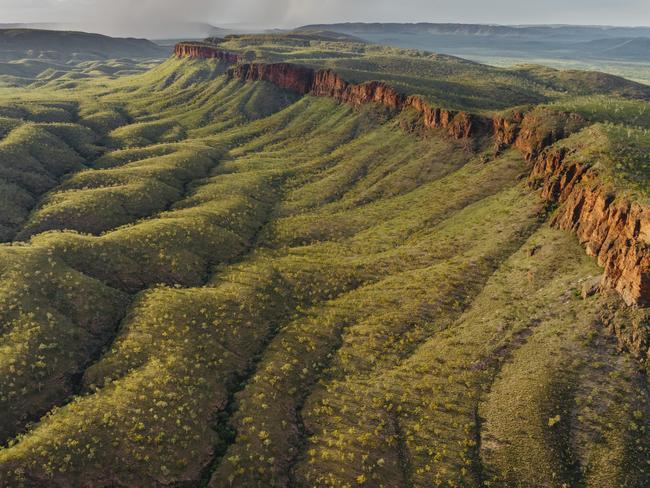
327 83
616 233
291 77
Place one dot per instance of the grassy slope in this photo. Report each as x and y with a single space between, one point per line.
294 292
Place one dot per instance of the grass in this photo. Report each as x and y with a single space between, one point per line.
619 154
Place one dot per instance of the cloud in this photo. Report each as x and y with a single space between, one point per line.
151 18
158 17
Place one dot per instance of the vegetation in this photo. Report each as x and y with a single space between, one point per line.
620 51
42 58
620 154
213 283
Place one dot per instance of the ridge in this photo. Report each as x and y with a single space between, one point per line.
616 232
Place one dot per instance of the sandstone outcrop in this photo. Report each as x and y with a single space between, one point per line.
533 131
616 232
204 51
291 77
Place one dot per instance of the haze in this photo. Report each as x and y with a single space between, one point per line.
154 17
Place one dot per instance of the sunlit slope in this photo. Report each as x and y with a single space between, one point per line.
244 287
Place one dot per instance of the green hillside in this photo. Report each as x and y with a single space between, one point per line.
36 57
214 283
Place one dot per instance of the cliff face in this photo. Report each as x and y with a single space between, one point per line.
506 130
458 124
616 233
203 51
327 83
291 77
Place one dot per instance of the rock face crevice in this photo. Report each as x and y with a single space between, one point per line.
533 131
615 232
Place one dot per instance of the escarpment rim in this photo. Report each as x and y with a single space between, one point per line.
616 234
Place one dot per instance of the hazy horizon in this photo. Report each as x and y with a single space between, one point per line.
154 17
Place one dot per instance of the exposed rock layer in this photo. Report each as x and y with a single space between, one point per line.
616 232
534 131
307 81
288 76
204 51
322 83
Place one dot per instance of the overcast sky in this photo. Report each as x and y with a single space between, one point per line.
116 16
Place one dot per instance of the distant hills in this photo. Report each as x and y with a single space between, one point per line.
64 45
153 30
557 32
556 41
30 57
632 48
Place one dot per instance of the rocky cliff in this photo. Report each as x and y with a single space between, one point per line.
328 83
291 77
616 233
304 80
204 51
533 131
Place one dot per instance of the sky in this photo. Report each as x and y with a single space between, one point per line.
123 16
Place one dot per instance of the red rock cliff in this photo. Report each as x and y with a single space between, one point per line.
327 83
204 51
291 77
615 232
533 131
